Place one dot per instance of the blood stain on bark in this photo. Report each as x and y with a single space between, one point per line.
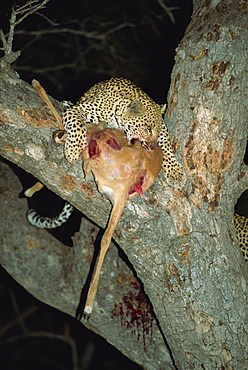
136 314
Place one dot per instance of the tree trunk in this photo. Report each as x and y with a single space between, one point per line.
206 278
181 242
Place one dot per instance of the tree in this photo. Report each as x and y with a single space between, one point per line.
180 242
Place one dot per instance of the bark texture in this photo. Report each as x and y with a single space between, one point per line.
181 242
55 274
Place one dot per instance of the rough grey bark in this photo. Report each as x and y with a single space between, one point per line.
55 274
181 242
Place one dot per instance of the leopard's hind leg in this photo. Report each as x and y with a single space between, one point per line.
241 226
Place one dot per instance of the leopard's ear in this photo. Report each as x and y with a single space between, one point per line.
136 108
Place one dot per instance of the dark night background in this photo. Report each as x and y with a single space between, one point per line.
94 40
97 40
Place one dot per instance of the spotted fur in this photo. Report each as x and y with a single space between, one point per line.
124 106
241 225
50 223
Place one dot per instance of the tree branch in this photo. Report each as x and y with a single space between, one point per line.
168 10
181 242
89 35
24 11
55 274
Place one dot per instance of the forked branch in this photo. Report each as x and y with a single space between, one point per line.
18 14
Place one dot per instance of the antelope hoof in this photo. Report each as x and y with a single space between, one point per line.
59 136
87 312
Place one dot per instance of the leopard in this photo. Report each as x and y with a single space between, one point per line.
127 107
241 226
44 222
124 106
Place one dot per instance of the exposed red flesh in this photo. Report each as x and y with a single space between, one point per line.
93 148
138 186
113 144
